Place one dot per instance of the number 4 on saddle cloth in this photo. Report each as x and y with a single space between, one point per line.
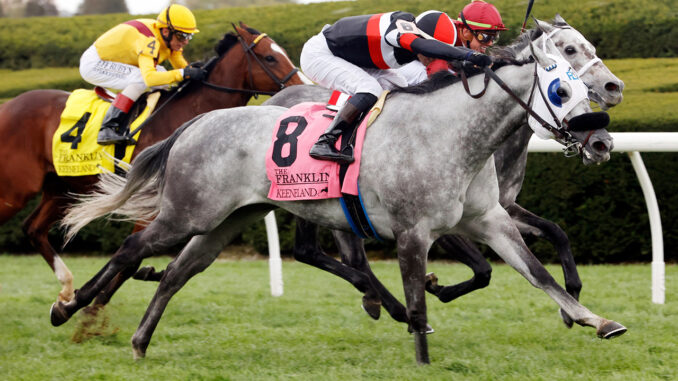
295 175
75 151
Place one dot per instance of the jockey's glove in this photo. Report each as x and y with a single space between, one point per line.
194 73
478 59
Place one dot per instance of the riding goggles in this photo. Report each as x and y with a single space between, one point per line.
485 38
183 36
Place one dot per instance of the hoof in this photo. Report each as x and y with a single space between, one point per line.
566 318
58 314
610 329
432 285
138 354
372 307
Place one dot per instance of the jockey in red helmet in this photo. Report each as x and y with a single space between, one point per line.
481 30
480 24
354 56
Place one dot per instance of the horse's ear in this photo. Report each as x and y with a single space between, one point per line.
543 25
243 25
559 21
540 56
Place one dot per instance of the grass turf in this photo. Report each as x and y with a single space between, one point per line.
225 325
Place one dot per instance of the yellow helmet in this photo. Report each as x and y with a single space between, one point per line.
179 18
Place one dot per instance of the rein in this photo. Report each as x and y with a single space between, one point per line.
251 55
249 51
572 147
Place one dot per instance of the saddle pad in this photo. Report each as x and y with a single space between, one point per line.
293 173
75 151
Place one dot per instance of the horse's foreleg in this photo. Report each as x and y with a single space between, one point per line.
196 256
497 230
307 250
36 227
529 223
413 249
467 253
353 254
157 238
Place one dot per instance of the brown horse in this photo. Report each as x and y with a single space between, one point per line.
248 63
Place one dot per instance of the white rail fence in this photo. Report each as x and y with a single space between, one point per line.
630 142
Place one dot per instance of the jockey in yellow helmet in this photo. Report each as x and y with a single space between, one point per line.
127 57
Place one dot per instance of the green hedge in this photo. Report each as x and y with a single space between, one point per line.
620 29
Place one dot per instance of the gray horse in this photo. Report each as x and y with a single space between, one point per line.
510 161
194 191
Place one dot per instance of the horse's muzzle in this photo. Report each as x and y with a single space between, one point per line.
589 121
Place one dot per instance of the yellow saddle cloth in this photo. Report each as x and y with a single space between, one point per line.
75 150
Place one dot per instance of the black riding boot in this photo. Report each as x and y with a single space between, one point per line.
114 127
345 122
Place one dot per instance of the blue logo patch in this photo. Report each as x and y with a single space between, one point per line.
571 75
553 96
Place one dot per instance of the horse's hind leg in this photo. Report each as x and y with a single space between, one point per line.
467 253
353 254
529 223
307 250
497 230
198 254
105 296
158 237
37 225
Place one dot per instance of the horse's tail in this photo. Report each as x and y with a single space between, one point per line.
134 197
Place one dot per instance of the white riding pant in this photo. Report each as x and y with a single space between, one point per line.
323 67
113 75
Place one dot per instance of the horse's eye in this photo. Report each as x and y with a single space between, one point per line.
570 50
270 59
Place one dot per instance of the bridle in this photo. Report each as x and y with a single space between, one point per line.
547 36
560 130
251 55
585 67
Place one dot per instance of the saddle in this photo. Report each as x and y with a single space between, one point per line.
294 175
75 151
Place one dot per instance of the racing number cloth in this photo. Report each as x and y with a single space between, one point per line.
75 151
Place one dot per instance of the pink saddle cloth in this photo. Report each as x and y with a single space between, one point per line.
293 173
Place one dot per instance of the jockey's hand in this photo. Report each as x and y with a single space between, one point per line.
479 59
194 73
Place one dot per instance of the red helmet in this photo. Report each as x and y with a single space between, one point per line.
480 15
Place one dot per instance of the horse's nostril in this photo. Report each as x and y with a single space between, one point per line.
611 86
599 146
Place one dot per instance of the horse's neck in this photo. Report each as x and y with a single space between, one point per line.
231 71
496 117
198 99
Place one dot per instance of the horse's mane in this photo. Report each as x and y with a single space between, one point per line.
506 56
446 78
